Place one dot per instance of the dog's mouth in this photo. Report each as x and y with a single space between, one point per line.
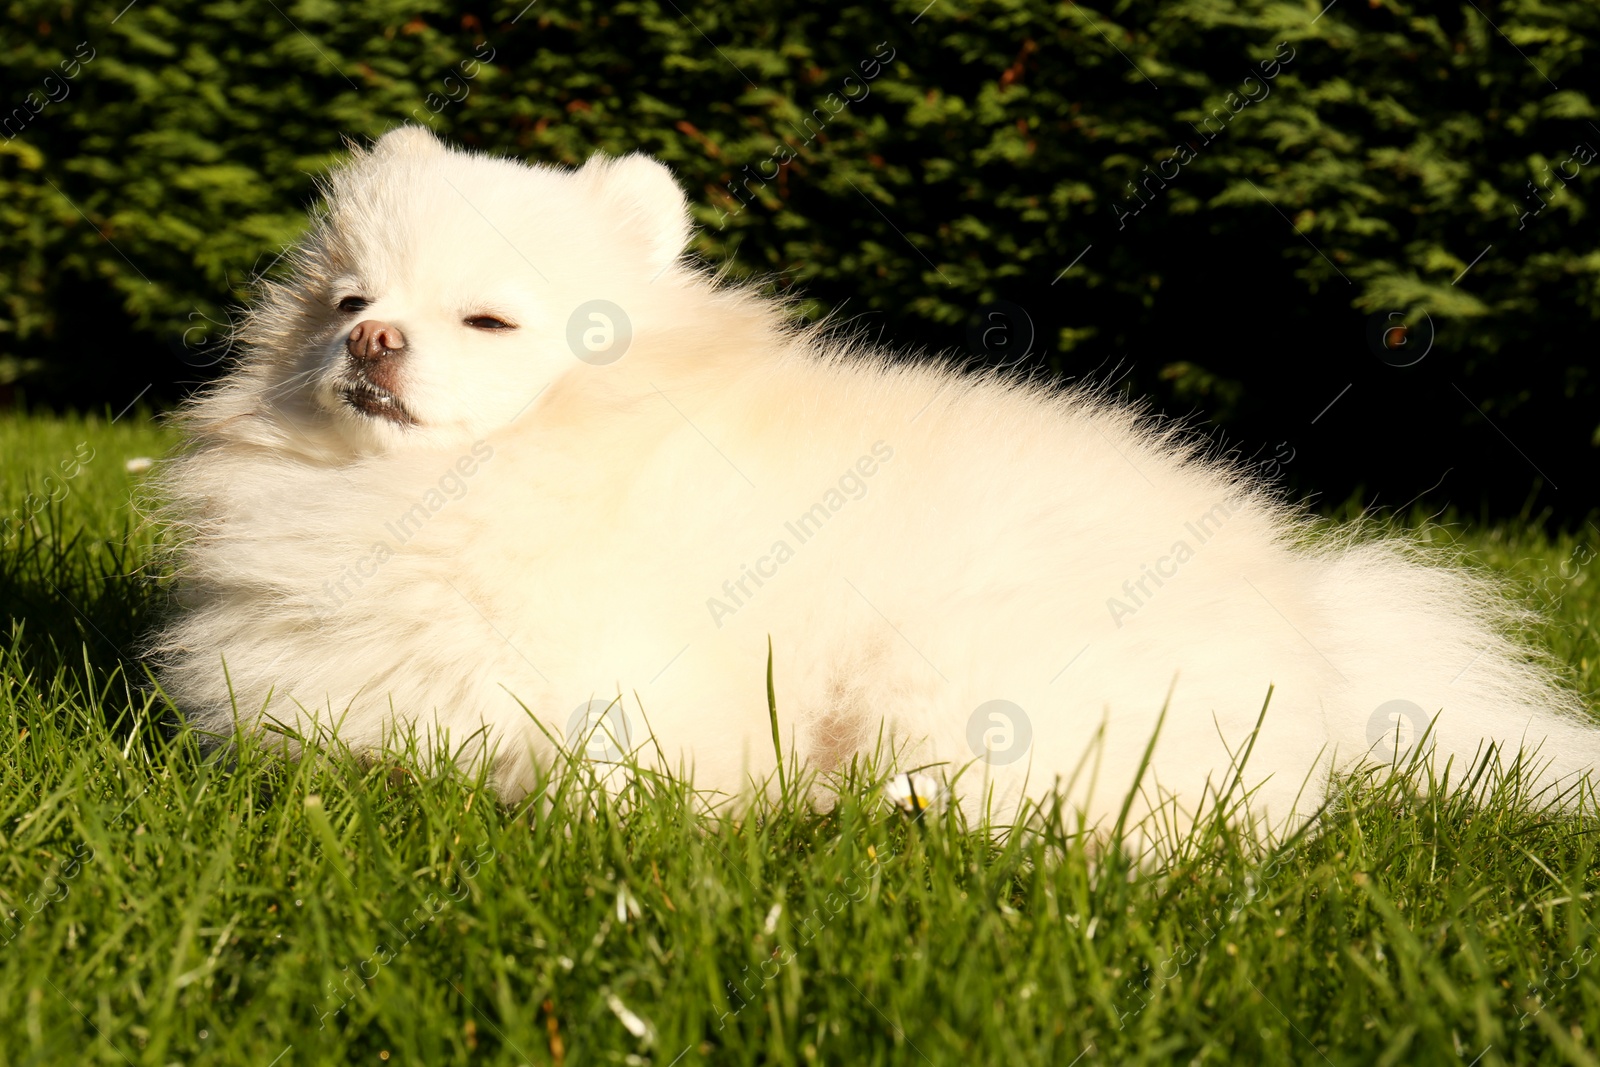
377 403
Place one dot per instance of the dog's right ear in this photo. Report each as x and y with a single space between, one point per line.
403 142
408 140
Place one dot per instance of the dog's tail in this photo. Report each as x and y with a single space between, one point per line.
1442 655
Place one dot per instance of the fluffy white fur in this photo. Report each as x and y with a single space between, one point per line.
579 525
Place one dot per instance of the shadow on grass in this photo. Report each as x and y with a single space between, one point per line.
76 608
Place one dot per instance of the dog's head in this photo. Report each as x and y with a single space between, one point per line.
441 291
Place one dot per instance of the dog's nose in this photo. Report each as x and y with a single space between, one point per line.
374 340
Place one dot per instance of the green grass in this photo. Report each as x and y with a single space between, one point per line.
166 907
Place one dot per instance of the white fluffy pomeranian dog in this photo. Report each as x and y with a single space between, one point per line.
500 467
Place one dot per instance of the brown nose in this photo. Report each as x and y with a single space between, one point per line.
373 340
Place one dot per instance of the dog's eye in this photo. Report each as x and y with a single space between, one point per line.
488 322
352 304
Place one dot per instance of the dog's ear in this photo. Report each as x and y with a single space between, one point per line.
408 140
643 192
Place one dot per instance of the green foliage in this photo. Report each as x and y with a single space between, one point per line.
924 160
159 905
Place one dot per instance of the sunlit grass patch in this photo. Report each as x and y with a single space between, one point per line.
164 901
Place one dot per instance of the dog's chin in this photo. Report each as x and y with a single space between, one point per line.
370 402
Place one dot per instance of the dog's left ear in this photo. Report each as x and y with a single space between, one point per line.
643 192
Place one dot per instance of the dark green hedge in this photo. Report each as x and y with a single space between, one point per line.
1251 180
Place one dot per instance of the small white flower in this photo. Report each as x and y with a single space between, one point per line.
772 918
138 464
627 904
914 792
631 1022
